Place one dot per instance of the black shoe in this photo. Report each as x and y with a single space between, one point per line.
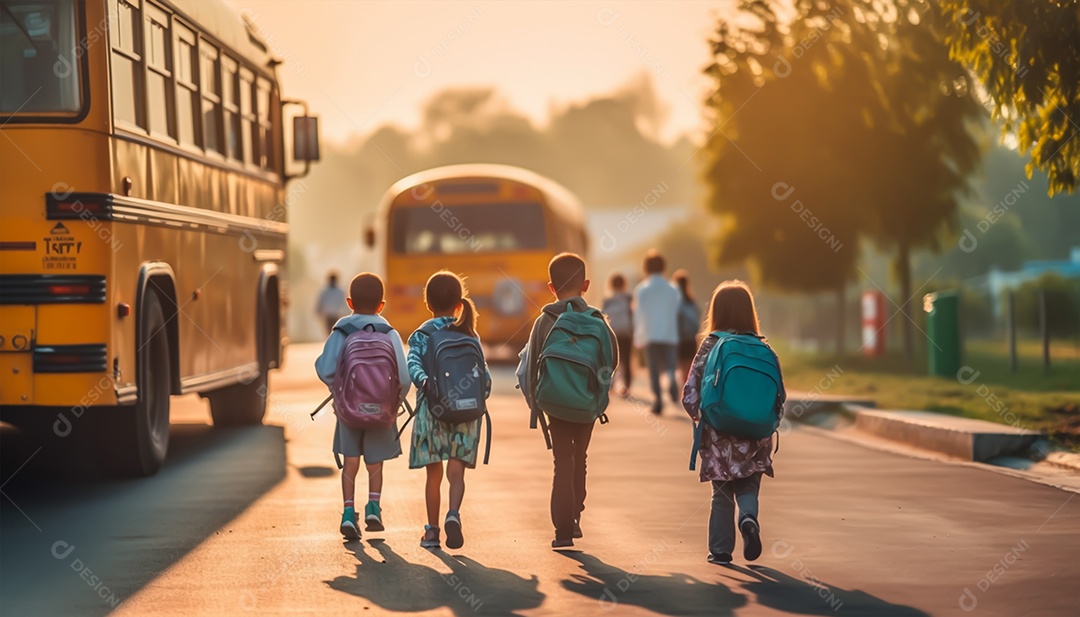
751 535
719 558
557 543
454 539
675 394
577 528
656 407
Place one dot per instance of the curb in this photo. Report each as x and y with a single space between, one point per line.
1063 459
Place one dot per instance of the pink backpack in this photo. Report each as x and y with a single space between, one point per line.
366 388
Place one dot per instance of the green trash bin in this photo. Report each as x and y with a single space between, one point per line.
943 329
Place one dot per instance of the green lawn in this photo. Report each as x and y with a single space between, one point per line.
1029 398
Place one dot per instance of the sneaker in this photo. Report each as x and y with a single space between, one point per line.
577 528
431 537
676 395
719 558
657 407
452 525
557 543
751 534
373 516
349 529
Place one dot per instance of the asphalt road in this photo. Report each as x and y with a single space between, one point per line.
245 521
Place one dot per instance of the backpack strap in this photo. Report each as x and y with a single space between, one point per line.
407 408
697 444
487 446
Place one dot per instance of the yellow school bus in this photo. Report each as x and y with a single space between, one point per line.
498 225
142 219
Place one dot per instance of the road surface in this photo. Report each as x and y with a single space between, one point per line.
245 522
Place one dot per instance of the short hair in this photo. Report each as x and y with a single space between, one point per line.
617 282
366 292
654 262
566 271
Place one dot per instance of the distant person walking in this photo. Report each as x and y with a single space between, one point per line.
618 306
689 319
656 328
332 305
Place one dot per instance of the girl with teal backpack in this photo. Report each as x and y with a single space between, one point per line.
735 395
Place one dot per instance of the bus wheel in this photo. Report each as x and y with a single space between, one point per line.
243 404
138 436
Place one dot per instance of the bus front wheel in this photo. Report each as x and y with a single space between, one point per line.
137 436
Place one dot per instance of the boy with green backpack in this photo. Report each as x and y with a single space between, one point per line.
568 363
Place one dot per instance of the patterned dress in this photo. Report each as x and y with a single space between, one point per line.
434 441
723 457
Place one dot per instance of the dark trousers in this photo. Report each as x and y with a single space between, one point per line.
626 349
569 442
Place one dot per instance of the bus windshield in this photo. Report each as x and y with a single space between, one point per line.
39 52
473 228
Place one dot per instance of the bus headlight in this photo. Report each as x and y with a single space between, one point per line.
508 299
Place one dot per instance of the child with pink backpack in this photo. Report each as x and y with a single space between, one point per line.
363 363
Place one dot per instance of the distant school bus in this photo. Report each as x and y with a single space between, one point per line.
497 225
142 225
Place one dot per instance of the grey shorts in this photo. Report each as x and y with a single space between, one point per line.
375 446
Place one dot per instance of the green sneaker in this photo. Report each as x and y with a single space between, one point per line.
373 516
349 529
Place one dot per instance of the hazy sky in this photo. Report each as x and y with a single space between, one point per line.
361 64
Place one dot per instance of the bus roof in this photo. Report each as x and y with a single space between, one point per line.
235 30
559 198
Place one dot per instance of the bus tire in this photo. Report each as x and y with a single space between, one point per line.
137 436
244 404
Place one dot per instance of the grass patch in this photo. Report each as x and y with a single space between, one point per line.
1029 398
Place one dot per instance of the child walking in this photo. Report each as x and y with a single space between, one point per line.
618 307
734 465
435 441
570 422
374 445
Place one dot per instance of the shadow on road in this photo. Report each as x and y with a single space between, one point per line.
393 584
782 592
671 594
81 544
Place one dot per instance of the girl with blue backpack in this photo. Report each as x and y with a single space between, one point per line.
735 395
447 366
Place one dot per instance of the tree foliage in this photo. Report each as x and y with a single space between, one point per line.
855 104
1026 54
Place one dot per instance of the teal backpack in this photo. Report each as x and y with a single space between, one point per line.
742 390
575 367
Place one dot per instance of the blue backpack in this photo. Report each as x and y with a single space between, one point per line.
742 390
455 364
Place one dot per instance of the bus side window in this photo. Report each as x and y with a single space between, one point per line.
125 30
187 88
249 125
210 80
265 139
231 103
159 99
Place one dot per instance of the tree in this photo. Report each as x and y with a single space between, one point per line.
1026 55
857 109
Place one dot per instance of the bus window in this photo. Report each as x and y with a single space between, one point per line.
37 58
250 125
230 102
187 90
265 139
127 74
159 72
210 80
473 228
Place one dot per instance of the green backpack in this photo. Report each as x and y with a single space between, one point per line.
575 367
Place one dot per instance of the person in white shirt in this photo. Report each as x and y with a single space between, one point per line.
331 305
656 326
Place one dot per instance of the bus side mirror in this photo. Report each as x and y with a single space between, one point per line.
369 237
306 138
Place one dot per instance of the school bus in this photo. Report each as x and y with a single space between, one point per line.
496 224
142 219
